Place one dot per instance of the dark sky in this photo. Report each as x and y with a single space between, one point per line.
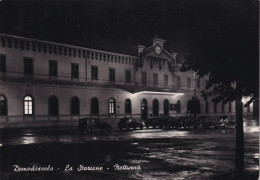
113 25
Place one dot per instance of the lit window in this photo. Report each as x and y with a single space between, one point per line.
111 106
3 107
28 105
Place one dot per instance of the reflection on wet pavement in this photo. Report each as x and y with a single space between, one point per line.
162 154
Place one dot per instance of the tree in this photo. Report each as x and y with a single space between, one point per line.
224 46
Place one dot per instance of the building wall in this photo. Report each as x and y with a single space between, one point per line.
15 85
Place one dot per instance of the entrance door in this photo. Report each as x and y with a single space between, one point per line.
155 108
166 107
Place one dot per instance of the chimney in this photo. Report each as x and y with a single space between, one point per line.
140 50
174 55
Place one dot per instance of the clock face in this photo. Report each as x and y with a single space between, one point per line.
158 50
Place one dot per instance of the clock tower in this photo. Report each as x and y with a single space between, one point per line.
158 45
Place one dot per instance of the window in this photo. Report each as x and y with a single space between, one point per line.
127 76
155 108
207 107
155 79
207 82
112 75
229 107
3 106
143 78
128 106
53 68
53 106
28 105
188 82
166 107
222 107
178 109
112 106
178 81
75 106
74 70
165 80
28 66
198 83
2 63
144 108
215 107
94 106
94 72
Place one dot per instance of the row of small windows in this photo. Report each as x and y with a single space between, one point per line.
68 51
53 69
53 72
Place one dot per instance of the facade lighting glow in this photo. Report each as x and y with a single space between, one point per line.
158 93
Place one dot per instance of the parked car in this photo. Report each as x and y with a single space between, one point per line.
256 158
224 122
167 122
205 122
128 123
89 124
154 122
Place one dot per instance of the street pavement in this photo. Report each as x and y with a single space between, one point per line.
138 154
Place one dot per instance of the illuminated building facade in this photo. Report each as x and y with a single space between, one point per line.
50 82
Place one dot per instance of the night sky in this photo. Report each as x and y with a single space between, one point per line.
112 25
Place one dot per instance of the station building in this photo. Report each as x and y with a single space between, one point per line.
46 82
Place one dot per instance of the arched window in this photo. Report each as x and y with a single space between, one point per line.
53 106
166 107
74 106
222 107
155 107
207 107
215 107
3 105
128 106
144 109
94 106
111 106
229 107
178 109
28 105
